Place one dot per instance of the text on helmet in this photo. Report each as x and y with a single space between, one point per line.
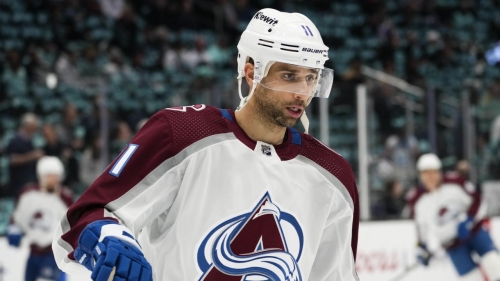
316 51
266 19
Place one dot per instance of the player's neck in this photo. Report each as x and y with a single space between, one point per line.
258 130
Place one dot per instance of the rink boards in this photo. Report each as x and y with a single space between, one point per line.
385 250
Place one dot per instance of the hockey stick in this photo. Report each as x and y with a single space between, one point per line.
112 274
407 270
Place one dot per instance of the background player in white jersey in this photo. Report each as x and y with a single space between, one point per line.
212 194
36 217
449 217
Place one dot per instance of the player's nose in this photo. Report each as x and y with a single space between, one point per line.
300 97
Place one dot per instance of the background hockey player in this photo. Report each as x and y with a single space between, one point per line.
449 217
203 193
36 217
459 176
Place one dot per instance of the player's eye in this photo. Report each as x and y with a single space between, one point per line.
310 78
288 76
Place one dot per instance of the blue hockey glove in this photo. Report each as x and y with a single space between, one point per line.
104 246
464 228
14 235
423 255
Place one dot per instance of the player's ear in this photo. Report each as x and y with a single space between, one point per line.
249 73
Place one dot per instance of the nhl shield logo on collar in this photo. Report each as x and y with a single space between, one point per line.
266 149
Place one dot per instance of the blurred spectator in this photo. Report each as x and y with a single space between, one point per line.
385 108
91 122
393 199
495 130
43 60
490 102
159 12
15 77
91 165
245 11
23 155
220 53
463 169
350 80
172 57
121 138
187 18
402 150
53 146
226 18
390 43
116 64
199 55
69 130
127 30
89 66
112 8
71 133
67 70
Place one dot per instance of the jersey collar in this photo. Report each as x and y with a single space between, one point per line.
287 150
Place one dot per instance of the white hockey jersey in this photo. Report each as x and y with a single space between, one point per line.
438 214
38 213
208 203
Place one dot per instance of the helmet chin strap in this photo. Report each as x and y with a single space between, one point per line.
244 100
305 122
304 119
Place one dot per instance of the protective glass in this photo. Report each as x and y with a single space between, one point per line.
311 82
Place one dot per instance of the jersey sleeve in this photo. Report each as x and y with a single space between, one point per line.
335 258
336 255
20 216
340 169
134 188
424 234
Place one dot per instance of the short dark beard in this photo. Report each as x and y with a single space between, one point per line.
270 111
50 188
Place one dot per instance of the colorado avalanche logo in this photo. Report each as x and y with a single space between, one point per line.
447 213
262 245
41 220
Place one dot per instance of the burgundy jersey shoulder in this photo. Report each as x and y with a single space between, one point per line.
27 188
189 124
329 160
66 196
458 179
412 197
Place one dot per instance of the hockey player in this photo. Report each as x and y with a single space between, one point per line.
203 193
458 177
448 217
36 217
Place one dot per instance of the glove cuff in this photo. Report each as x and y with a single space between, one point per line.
14 229
99 233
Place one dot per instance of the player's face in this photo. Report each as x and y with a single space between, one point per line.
277 105
430 179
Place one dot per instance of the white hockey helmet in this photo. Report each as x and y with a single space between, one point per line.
49 165
428 161
291 38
